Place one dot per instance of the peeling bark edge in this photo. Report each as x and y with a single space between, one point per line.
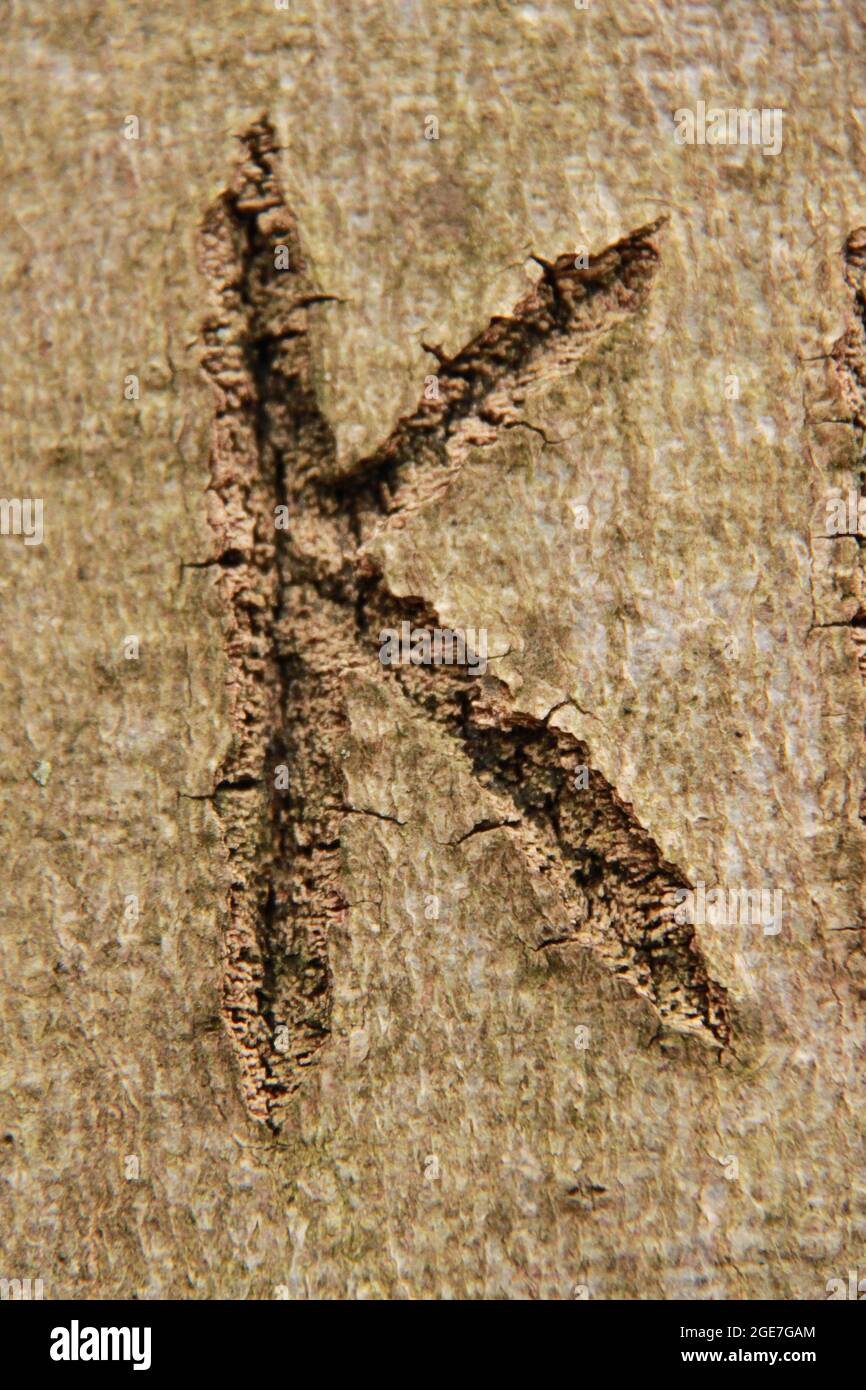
302 604
848 357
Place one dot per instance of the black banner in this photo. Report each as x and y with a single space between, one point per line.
79 1340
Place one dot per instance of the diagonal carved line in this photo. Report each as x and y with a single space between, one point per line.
303 605
481 390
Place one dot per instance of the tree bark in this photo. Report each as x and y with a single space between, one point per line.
537 972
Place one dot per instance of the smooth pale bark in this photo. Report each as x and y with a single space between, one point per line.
486 1118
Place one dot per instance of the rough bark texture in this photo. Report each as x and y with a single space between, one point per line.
322 977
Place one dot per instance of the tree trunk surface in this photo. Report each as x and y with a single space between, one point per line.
433 713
